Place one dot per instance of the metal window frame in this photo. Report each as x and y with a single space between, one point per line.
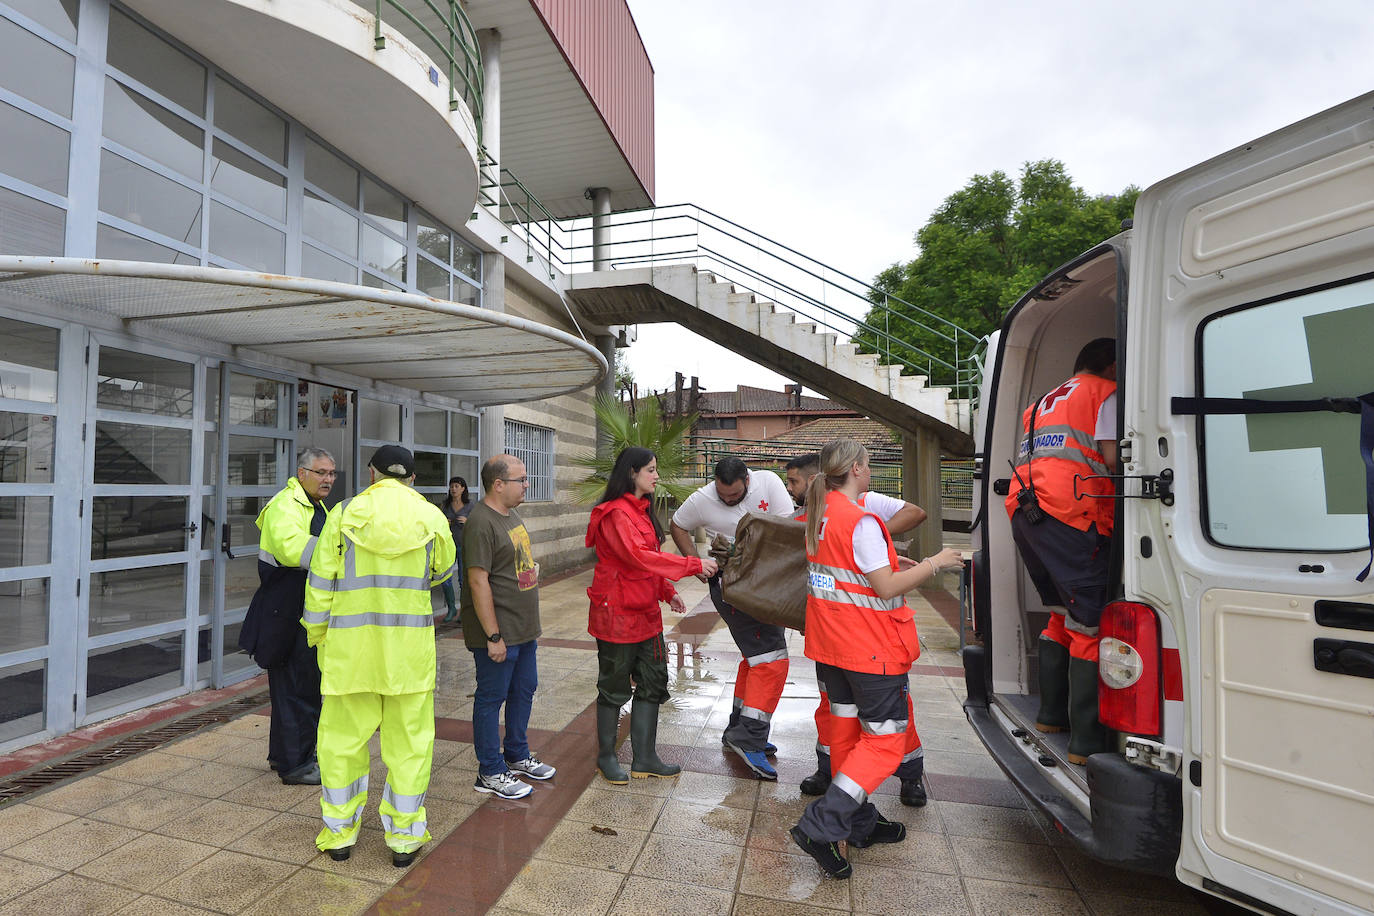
538 451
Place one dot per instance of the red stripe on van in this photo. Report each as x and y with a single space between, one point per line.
1173 675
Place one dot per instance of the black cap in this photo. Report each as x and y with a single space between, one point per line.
393 461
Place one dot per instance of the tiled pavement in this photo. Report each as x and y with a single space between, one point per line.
200 825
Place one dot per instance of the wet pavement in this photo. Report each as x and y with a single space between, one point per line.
200 825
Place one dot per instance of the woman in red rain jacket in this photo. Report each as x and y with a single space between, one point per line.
630 580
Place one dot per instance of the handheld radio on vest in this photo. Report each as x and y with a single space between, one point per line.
1025 497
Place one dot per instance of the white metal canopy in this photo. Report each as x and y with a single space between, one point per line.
444 348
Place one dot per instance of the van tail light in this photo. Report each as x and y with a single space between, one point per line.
1129 669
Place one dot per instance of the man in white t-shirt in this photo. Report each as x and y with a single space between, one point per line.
718 507
870 550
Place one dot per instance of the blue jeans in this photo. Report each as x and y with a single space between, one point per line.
511 682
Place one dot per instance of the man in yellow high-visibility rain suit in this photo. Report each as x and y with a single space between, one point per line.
367 608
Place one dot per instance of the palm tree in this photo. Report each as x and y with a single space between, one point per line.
646 429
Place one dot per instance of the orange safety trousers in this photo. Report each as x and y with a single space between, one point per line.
824 726
759 687
1080 645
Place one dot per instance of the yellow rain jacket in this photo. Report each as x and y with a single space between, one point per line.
367 604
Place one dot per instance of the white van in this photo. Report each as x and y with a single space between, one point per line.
1241 684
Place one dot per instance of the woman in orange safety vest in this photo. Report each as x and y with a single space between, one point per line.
861 634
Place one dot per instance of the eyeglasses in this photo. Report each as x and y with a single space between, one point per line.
324 475
519 480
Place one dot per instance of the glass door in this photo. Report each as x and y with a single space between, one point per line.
139 583
29 359
257 455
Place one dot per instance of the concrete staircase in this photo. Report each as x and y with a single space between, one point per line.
773 336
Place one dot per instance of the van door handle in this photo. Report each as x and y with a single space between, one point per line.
1339 656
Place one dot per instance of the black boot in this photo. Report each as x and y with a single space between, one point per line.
607 726
643 736
1054 687
1086 734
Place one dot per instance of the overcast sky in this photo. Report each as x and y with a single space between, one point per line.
837 128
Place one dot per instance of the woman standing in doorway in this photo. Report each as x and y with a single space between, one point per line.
456 508
631 578
862 636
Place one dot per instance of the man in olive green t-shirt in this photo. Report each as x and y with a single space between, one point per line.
500 626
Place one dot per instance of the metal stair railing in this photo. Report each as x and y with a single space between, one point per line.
821 294
818 293
690 234
447 31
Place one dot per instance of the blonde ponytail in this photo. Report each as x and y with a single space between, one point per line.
838 457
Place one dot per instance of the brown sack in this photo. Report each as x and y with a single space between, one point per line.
766 573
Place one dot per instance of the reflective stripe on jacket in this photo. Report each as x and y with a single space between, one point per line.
367 603
1065 447
285 524
847 624
632 573
289 524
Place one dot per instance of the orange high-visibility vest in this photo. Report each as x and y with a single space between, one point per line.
1065 447
847 624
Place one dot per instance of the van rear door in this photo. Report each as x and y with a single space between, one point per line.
1253 279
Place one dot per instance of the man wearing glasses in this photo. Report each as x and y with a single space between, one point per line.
500 626
272 632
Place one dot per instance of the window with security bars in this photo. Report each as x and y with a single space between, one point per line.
534 446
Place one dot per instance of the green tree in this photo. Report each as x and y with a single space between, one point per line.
647 429
980 251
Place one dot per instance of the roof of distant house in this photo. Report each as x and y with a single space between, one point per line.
871 434
748 399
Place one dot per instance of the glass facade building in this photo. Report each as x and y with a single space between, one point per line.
132 466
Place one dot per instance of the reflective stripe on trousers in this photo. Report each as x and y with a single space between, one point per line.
347 723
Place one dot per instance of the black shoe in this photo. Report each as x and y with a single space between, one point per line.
341 855
816 783
827 855
305 775
403 859
913 793
885 831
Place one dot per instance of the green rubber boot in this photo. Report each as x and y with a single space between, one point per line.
643 736
607 726
1087 736
1054 687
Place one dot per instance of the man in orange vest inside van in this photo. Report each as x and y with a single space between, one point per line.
1061 506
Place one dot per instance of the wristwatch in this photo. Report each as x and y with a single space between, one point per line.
494 637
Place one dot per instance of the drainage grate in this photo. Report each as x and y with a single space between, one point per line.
126 747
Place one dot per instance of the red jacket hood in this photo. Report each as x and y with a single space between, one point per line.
629 504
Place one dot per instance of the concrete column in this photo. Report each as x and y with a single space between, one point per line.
489 45
601 208
921 485
491 428
605 389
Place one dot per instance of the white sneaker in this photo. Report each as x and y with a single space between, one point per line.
532 767
502 784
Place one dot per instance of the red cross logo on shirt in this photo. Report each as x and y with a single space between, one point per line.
763 505
1061 393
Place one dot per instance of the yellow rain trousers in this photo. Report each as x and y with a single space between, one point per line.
367 608
346 725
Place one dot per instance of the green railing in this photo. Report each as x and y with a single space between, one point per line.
516 206
447 31
689 234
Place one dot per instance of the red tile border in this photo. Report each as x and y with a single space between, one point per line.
938 670
568 643
496 841
945 604
100 732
